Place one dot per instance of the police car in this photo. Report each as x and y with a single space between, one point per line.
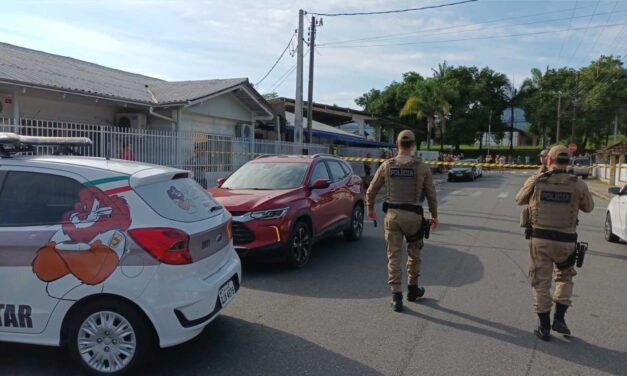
109 258
616 216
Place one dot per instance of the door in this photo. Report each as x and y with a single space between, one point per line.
321 199
622 214
342 197
32 208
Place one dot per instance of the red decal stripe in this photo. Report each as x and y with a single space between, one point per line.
117 190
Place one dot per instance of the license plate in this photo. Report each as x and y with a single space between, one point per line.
226 293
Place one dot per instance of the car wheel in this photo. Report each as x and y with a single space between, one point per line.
357 224
473 176
609 236
300 243
107 337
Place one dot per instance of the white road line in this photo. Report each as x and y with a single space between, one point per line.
456 192
502 195
476 193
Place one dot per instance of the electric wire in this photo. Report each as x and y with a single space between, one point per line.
285 75
596 40
570 24
289 43
391 11
583 36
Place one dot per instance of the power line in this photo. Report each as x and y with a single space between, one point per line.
278 83
289 43
392 11
474 38
594 44
408 34
586 29
570 24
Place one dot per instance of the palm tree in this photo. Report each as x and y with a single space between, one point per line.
428 101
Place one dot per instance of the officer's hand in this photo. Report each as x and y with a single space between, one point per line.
434 223
372 215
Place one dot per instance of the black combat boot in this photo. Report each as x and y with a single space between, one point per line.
414 292
397 301
559 324
543 331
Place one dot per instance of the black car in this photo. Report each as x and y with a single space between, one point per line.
465 172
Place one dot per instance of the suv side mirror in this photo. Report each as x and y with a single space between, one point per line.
220 181
613 190
321 184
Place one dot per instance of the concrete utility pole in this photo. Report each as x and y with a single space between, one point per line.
312 45
298 99
615 127
511 131
572 130
559 112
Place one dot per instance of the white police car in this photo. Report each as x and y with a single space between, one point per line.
616 217
110 258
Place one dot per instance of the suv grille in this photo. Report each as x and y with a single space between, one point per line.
241 234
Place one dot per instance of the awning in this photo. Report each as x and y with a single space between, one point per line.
328 132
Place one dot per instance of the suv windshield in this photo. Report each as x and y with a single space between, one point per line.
267 176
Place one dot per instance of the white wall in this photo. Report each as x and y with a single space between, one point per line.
224 106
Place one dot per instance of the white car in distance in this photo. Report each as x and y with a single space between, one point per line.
616 217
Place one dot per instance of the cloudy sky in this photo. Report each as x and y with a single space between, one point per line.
194 39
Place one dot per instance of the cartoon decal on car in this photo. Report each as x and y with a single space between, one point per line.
91 240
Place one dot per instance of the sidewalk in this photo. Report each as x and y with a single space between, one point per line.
599 189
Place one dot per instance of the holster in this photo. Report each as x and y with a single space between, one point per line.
582 248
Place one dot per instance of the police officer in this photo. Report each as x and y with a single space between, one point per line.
554 200
544 167
407 181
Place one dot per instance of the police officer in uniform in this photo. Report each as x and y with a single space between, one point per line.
407 181
544 167
554 200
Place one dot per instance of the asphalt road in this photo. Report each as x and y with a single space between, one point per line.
333 317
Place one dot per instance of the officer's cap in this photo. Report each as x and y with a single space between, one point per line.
560 154
406 136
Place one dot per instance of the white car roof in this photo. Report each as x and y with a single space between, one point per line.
91 163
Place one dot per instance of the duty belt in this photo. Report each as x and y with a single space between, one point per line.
553 235
407 207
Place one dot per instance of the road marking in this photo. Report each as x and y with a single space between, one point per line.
456 192
502 195
476 193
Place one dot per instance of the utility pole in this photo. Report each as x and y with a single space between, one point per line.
511 124
312 45
559 112
615 127
572 130
489 131
298 100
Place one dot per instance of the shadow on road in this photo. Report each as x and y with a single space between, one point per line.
344 270
574 350
228 346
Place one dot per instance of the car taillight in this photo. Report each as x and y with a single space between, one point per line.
167 245
229 231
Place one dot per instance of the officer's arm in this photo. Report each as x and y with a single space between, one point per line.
429 190
375 186
586 203
523 196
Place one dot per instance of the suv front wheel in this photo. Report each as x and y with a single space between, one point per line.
299 246
108 337
357 224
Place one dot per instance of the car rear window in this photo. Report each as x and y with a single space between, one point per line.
181 200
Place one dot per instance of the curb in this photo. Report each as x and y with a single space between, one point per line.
601 195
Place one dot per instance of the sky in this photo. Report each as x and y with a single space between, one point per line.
198 40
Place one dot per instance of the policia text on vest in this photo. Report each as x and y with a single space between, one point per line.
553 201
407 182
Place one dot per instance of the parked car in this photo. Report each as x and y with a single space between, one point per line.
616 217
109 258
281 205
465 172
580 167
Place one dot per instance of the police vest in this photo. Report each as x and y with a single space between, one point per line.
403 182
554 203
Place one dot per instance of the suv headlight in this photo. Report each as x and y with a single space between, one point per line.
263 214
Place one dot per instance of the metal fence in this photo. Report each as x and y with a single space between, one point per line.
207 155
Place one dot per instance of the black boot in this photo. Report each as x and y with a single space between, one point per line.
397 301
543 331
559 323
414 292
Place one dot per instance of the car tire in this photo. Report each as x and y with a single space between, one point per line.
87 327
473 177
609 236
356 225
299 245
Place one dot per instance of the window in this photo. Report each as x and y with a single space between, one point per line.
267 175
320 172
346 167
337 171
34 199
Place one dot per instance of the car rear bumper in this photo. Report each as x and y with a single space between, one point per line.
181 303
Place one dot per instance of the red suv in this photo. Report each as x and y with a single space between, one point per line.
283 204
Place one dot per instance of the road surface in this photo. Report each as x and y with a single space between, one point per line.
333 317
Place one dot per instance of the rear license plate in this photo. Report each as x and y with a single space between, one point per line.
226 293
